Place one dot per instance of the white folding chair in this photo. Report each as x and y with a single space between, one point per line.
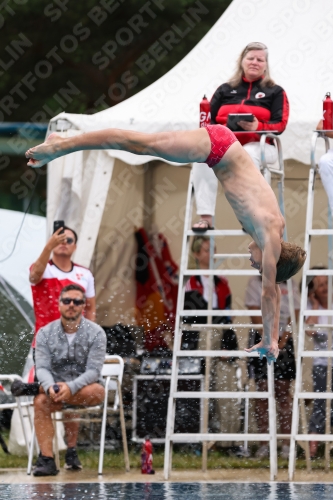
19 404
112 372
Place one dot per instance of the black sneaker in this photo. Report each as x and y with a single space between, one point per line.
239 452
45 466
72 461
19 388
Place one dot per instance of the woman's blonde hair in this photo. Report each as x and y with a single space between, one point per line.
236 78
195 248
197 242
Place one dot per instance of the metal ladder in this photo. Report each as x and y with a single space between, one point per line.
204 436
307 275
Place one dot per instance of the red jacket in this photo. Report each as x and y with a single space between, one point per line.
221 288
268 104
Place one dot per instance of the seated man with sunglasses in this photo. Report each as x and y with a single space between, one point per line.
70 353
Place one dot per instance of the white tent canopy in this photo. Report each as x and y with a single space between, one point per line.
298 34
29 245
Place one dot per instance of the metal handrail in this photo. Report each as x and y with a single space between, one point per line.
263 161
317 134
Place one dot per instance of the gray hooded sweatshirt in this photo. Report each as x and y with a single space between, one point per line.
78 364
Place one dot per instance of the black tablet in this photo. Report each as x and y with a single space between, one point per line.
234 118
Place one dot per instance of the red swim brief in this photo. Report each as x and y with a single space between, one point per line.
221 139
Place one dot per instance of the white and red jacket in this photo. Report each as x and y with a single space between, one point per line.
46 293
268 104
221 289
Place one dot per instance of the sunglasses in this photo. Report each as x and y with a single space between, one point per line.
76 302
69 241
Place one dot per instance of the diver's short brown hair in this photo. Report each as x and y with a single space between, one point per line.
290 262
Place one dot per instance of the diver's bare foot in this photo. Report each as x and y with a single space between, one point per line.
203 224
44 153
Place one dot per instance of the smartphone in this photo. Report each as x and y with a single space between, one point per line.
234 118
57 224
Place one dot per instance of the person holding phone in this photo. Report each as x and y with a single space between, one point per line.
53 270
250 91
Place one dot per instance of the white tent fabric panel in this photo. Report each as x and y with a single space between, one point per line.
113 262
93 207
29 245
298 35
77 189
170 189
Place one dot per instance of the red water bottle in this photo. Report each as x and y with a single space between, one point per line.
147 457
204 112
328 112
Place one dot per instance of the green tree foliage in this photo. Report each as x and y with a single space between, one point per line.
82 57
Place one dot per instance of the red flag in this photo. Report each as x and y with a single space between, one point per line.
157 288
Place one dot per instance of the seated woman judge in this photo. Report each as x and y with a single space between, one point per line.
250 90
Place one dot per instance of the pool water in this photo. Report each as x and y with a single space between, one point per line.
167 491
